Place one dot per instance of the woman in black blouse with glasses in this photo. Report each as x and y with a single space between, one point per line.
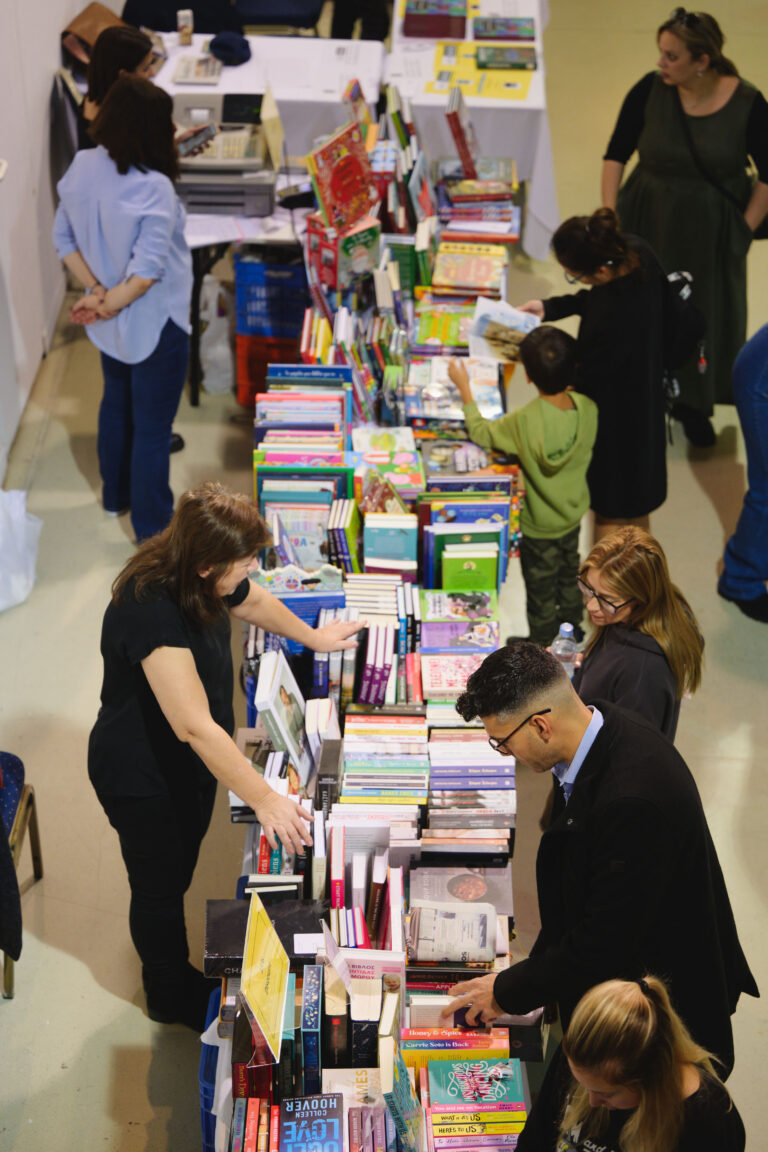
620 362
695 124
646 648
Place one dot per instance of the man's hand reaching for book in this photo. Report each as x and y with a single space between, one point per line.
477 997
283 819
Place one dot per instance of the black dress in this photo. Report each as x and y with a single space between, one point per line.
620 367
156 792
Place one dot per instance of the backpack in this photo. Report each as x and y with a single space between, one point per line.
684 323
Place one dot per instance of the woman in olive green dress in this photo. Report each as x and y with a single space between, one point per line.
691 223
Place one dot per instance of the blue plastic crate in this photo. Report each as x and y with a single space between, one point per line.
270 298
208 1125
208 1057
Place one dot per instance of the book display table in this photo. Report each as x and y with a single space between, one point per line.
513 124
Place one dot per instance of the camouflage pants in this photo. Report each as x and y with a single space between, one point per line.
552 597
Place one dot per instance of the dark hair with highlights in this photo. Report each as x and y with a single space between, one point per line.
583 244
549 357
135 125
629 1034
211 529
117 50
508 679
702 36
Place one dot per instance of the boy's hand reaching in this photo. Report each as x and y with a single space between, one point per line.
459 376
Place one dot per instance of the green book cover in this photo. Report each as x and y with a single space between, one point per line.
470 571
470 1081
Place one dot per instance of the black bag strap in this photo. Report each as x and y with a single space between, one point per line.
697 159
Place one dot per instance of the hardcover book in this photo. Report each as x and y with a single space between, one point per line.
341 173
281 708
463 132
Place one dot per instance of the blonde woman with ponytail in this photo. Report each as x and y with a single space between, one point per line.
645 652
640 1082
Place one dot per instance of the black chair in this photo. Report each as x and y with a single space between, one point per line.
290 14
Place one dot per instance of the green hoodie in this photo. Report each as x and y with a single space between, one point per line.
555 448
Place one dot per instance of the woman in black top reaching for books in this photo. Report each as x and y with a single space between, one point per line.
633 1080
695 123
163 736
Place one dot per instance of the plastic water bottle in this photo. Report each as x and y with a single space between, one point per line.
565 648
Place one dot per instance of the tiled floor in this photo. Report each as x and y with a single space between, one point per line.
81 1066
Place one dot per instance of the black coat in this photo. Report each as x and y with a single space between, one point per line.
629 668
621 367
629 883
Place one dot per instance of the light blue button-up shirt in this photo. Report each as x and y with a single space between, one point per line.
131 225
567 773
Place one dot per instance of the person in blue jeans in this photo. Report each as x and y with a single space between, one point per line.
119 228
744 576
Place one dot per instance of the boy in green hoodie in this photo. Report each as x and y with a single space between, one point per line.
553 437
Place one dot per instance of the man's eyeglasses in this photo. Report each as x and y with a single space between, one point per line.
607 605
687 19
498 742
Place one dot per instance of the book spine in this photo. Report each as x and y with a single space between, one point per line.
262 1140
355 1126
379 1130
503 1128
365 1035
311 1006
501 1143
251 1125
479 1111
238 1124
274 1128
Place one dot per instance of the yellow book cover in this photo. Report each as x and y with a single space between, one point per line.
493 1118
477 1129
264 983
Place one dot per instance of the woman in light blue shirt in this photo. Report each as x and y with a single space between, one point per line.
119 229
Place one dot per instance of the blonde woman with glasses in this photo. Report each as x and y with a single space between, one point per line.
646 649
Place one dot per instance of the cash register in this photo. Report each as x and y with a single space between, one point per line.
231 175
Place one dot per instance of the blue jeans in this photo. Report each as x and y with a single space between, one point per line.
135 418
746 554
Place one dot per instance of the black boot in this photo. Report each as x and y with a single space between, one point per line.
697 427
179 1000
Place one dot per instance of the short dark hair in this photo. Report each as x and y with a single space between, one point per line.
549 357
583 244
508 680
135 125
117 50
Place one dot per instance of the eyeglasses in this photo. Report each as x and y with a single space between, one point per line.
569 279
497 743
607 605
687 19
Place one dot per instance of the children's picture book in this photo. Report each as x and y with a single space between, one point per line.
478 636
440 605
444 677
309 1123
341 173
374 439
354 97
435 19
498 329
477 269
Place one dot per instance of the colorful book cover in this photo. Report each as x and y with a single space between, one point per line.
342 176
482 635
454 604
311 1016
471 571
354 98
474 1081
280 705
463 132
435 19
504 56
402 1102
444 677
309 1123
465 885
476 268
503 28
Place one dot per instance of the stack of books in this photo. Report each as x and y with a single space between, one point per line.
479 211
476 1101
463 268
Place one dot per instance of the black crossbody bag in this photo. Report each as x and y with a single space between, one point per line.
761 232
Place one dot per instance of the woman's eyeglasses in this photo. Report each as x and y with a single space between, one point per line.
589 593
570 279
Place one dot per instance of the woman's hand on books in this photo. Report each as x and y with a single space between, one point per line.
477 997
339 634
459 376
283 819
535 307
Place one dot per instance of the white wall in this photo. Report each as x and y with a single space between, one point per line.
31 278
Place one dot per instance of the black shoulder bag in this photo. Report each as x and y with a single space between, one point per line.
761 232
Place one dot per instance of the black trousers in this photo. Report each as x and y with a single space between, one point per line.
160 838
374 15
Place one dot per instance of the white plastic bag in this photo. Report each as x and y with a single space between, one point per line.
217 311
19 537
